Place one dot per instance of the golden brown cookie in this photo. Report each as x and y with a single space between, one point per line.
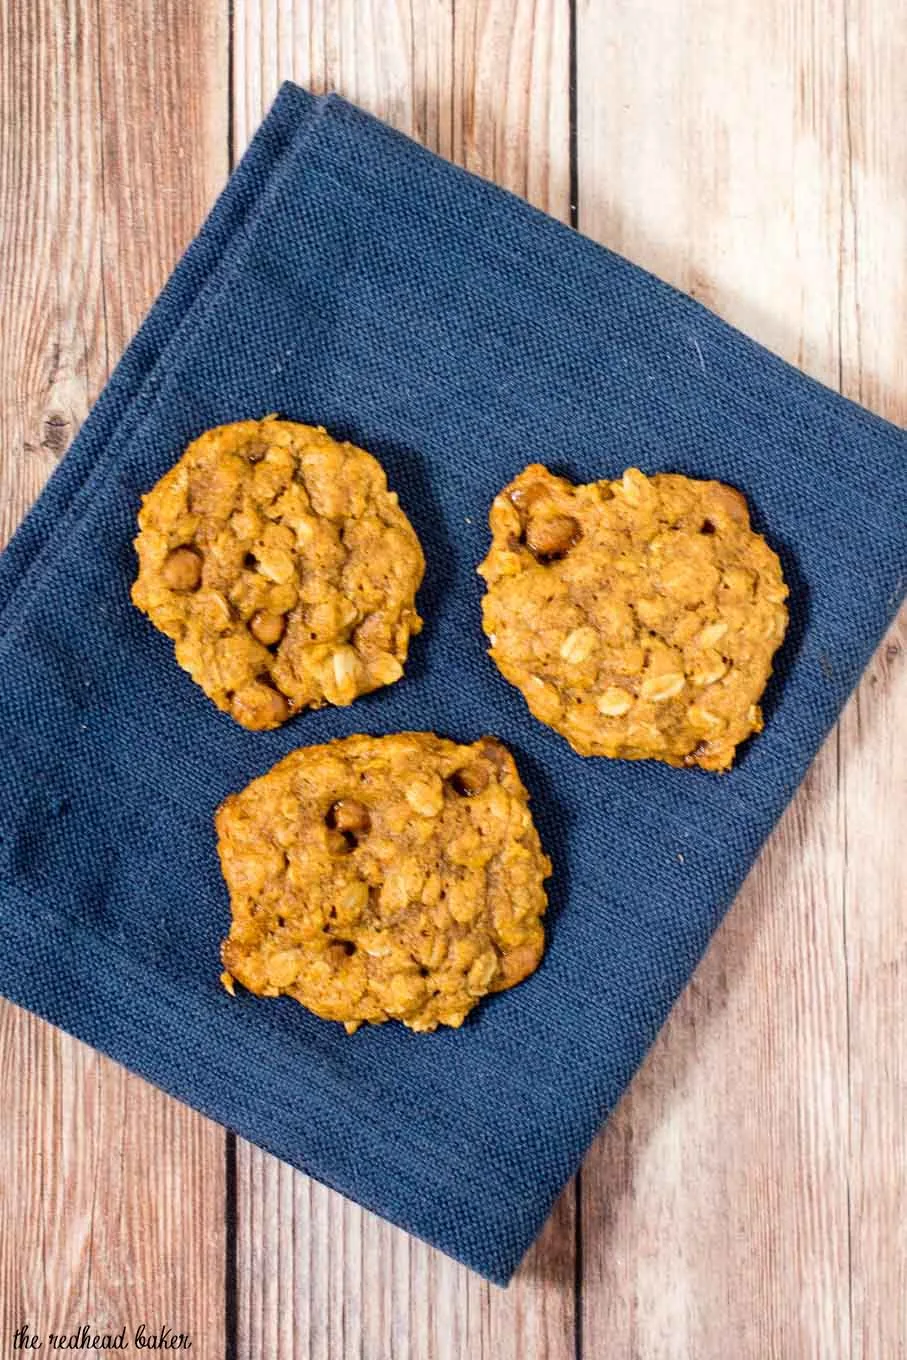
381 878
638 617
282 567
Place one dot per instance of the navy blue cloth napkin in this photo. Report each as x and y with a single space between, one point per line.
350 278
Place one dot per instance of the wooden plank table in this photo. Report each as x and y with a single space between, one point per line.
749 1196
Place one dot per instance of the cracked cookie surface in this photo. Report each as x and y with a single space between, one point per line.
282 568
375 878
638 617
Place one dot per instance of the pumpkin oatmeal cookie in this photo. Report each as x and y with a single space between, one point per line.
638 617
282 568
379 878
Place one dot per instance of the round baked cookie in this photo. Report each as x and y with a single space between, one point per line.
379 878
282 568
638 617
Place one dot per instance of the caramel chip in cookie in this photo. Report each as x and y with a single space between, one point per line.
378 878
638 617
282 568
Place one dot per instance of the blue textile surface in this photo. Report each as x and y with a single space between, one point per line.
348 277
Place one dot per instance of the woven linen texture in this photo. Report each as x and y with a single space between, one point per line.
349 278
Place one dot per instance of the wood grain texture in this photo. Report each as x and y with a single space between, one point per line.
111 147
320 1278
873 776
111 1208
391 57
748 1198
485 84
511 107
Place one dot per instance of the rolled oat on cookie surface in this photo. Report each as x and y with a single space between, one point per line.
376 878
638 617
282 567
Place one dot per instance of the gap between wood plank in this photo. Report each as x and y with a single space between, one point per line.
572 106
574 222
847 207
231 1311
231 149
231 1296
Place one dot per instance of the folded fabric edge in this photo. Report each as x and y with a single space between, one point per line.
179 304
136 1022
551 232
114 407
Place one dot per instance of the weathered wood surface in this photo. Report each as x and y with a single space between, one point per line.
749 1196
112 144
